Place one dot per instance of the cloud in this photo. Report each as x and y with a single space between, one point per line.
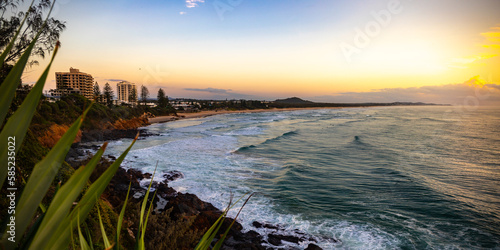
493 86
218 94
115 80
183 13
491 46
193 3
462 63
456 94
492 36
473 58
210 90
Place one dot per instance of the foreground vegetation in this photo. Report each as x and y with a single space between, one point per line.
28 223
96 221
44 205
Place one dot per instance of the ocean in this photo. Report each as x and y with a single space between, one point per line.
373 178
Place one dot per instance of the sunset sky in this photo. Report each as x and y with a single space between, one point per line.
322 50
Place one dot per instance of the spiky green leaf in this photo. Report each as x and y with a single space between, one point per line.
83 243
63 200
60 238
120 219
17 125
103 231
208 237
40 179
142 223
218 245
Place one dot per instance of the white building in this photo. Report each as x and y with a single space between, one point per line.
124 90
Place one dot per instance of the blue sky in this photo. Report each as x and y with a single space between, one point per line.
271 49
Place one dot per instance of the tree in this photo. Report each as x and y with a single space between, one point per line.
108 94
132 98
97 90
162 99
10 20
144 94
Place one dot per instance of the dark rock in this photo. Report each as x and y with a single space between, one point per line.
288 238
291 238
269 226
189 205
80 153
298 232
114 134
118 186
121 187
274 239
182 206
173 175
137 174
165 192
280 234
248 240
253 234
313 247
257 224
75 155
143 133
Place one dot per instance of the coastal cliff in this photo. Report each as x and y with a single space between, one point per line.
179 220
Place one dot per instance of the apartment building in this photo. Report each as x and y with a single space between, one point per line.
124 90
75 80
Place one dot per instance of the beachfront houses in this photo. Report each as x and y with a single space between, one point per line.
185 105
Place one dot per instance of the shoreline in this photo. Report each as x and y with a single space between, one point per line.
185 199
207 113
174 205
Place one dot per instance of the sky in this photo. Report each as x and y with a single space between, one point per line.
321 50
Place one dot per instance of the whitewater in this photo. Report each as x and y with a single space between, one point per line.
372 178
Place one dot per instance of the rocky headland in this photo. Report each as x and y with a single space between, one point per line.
179 220
172 206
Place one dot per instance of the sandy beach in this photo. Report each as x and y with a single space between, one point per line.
201 114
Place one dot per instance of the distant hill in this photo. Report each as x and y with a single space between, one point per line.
293 100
